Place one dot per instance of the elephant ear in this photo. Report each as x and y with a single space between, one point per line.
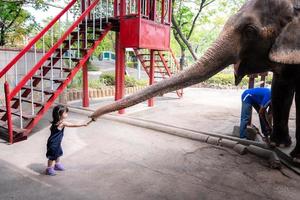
286 49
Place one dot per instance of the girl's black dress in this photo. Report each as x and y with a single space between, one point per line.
54 149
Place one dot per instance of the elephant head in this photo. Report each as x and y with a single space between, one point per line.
262 36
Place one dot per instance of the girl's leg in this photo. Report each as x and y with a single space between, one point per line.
51 163
50 169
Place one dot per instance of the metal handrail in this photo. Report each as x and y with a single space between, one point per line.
52 49
35 39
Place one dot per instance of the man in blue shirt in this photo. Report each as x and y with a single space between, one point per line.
259 99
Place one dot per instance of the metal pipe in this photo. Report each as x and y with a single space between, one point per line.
151 72
162 11
78 43
101 15
21 110
42 71
31 87
16 74
86 31
107 10
69 52
51 61
26 64
60 50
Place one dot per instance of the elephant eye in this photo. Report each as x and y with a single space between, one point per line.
250 32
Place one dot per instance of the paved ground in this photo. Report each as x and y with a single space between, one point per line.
110 160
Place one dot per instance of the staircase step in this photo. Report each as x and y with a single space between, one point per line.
80 40
75 49
147 60
66 69
67 58
16 112
15 129
161 72
55 79
143 54
97 22
75 33
148 66
46 91
38 103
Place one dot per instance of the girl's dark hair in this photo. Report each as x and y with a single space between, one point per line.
57 114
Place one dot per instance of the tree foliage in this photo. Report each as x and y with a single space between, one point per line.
15 21
197 23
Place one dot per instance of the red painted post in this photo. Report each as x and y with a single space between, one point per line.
82 6
116 4
85 81
151 73
88 4
170 11
139 10
162 11
122 8
85 86
154 10
8 111
120 71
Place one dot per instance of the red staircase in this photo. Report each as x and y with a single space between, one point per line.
165 64
31 89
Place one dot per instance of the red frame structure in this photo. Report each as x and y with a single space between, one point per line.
139 24
143 27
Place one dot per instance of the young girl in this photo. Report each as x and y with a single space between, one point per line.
54 150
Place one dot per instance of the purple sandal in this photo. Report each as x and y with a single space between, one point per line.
59 167
50 171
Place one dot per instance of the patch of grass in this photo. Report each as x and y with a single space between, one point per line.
92 67
108 79
228 80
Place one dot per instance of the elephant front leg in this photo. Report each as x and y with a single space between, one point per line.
296 152
282 98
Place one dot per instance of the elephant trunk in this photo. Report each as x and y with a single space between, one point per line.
221 54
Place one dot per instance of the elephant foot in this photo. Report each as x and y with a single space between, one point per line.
274 142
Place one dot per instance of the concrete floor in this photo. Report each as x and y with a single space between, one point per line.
111 160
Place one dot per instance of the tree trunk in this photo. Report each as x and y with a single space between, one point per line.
2 38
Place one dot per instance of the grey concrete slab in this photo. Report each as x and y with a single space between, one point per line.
111 160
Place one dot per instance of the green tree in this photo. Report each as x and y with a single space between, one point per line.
15 21
184 21
196 23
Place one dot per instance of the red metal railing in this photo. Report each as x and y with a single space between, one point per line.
70 77
9 118
52 49
159 10
90 11
35 39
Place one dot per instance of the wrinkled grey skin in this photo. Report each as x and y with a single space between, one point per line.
263 36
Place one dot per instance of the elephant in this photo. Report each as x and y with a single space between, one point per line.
264 35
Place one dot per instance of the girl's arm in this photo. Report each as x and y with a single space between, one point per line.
69 124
